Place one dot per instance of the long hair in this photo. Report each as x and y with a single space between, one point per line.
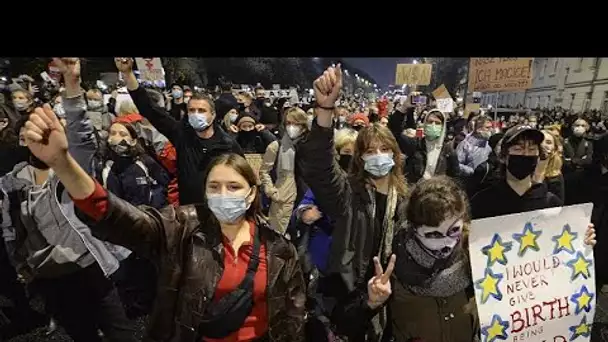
556 160
377 134
242 167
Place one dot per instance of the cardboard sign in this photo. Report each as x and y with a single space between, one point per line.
470 108
500 74
255 161
445 105
150 69
418 74
441 93
533 275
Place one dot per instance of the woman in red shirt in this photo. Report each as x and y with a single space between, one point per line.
210 287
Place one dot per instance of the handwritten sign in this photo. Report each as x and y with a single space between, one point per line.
500 74
445 105
150 68
419 74
255 161
534 276
441 92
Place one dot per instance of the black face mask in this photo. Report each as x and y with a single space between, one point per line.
345 161
357 128
521 166
248 135
37 163
241 107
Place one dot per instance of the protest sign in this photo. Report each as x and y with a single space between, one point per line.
441 93
150 68
534 276
445 105
418 74
500 74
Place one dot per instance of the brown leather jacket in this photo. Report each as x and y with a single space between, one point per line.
190 261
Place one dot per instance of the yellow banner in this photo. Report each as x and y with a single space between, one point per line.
500 74
419 74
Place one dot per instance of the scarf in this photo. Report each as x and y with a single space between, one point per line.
287 154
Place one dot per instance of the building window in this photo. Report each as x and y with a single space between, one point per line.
548 101
527 102
579 64
594 63
537 102
587 101
572 96
555 63
605 102
544 68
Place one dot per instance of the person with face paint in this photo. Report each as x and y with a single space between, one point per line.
74 285
287 186
251 136
549 168
197 137
362 204
578 156
243 278
427 156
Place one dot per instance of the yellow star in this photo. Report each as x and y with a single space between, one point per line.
580 266
496 251
563 242
496 329
489 286
527 239
583 329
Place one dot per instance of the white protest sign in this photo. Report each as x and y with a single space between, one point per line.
534 276
445 105
150 68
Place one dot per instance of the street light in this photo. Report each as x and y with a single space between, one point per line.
415 61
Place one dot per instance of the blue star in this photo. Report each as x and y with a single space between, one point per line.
496 250
563 241
583 300
583 329
580 266
527 239
489 286
496 330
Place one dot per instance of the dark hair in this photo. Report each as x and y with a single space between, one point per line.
258 88
199 96
7 135
481 121
154 95
242 167
227 86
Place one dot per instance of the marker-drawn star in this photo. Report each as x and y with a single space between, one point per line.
563 242
489 286
583 329
580 266
527 239
496 330
583 300
496 250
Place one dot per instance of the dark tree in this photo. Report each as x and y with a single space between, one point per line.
448 71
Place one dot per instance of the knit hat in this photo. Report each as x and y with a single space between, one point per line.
359 117
245 117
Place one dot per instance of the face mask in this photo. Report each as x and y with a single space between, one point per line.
533 124
379 165
578 130
521 166
242 107
432 131
228 209
233 117
187 99
198 121
293 131
357 128
20 105
93 104
267 104
460 113
345 161
342 119
177 94
37 163
121 147
485 135
443 246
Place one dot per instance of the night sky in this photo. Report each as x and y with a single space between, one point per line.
381 69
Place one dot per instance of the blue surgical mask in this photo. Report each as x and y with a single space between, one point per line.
379 165
226 208
233 117
198 121
177 94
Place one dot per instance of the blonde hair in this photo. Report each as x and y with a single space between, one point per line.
556 161
298 115
381 134
127 107
344 137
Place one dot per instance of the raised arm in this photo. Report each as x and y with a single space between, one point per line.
315 153
117 221
157 115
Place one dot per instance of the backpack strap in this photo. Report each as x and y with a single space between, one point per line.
150 181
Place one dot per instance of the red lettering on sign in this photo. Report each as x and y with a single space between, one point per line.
536 314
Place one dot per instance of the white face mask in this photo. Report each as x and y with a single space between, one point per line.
293 131
579 130
441 241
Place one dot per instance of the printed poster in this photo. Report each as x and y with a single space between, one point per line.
534 276
150 69
418 74
500 74
445 105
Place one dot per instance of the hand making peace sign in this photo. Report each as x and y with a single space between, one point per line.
379 287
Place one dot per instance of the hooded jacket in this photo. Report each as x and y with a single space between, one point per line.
39 223
423 157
